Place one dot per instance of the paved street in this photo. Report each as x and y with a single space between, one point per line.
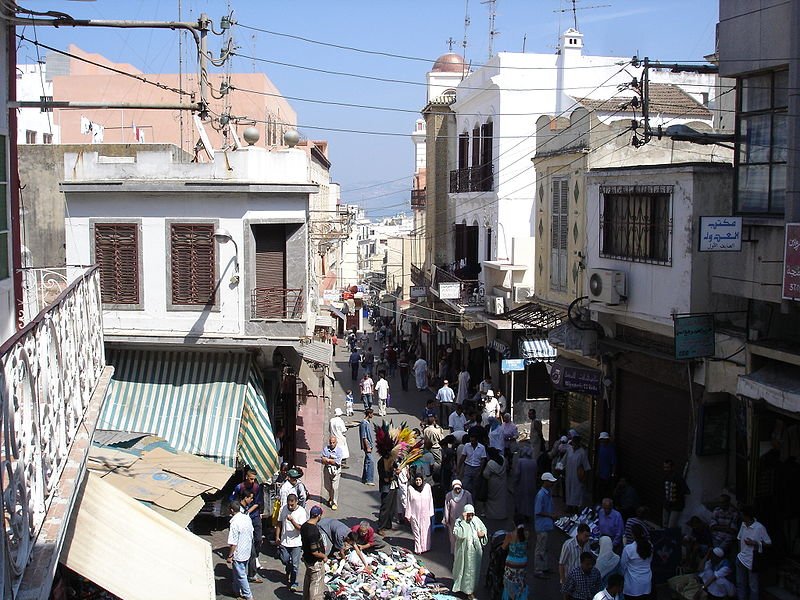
358 502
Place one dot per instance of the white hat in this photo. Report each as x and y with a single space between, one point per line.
468 509
563 439
456 482
338 412
604 435
719 552
548 477
490 394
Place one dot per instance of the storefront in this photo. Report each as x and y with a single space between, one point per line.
576 389
471 350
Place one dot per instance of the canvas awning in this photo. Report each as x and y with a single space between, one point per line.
206 403
536 350
776 384
317 352
132 551
339 314
474 338
323 321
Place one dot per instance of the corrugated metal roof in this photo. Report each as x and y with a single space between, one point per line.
665 98
208 404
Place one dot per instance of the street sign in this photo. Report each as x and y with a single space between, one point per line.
694 336
449 291
418 291
512 364
791 263
720 234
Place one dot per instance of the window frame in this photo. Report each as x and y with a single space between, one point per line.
173 306
139 259
772 111
607 191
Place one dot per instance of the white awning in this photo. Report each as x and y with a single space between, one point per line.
536 350
324 321
777 385
132 551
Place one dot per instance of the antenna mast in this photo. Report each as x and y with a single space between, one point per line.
466 30
180 74
574 10
492 16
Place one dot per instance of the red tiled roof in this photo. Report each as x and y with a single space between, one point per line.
665 98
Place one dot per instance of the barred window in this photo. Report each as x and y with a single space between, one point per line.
193 261
636 223
116 252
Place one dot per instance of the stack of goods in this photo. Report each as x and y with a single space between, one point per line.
401 443
569 524
397 576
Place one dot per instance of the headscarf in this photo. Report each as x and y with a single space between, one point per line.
468 509
457 495
607 561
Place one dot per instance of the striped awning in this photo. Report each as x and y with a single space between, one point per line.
204 403
536 350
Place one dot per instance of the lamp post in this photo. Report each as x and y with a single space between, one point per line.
223 236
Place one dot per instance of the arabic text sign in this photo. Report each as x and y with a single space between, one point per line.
449 291
720 234
512 364
791 263
694 336
568 378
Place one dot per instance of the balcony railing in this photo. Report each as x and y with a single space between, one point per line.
418 198
418 276
471 292
49 370
472 179
277 303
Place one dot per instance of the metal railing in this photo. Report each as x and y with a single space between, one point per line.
472 291
276 303
418 275
472 179
48 372
418 198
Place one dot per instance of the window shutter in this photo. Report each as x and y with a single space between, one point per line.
193 264
563 230
116 251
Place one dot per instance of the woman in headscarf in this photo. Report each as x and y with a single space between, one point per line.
495 474
525 474
420 369
454 503
470 533
419 510
515 586
607 562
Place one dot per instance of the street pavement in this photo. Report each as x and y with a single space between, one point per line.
358 502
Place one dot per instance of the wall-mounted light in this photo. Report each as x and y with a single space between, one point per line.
223 236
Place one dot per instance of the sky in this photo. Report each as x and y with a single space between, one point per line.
374 169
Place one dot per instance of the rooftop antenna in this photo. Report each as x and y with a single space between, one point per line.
181 124
466 30
492 16
574 10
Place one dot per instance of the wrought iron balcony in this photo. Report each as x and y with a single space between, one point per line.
276 303
419 276
50 371
472 179
418 198
471 291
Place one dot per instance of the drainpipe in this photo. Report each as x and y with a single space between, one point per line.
13 177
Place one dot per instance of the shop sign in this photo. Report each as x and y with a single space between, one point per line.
499 346
720 234
331 295
418 291
694 336
570 378
791 263
449 291
512 364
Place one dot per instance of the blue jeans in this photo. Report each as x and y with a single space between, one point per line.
290 557
368 474
367 400
746 581
241 587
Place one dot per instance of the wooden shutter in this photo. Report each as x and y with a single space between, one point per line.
558 234
193 261
472 245
271 296
476 146
463 151
460 245
116 251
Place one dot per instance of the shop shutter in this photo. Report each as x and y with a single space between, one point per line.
652 425
193 262
116 251
270 297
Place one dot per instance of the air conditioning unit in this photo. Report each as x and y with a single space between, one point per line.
607 286
522 293
495 305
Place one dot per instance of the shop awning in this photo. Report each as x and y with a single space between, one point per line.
205 403
534 316
474 338
778 385
132 551
536 350
317 352
323 321
339 314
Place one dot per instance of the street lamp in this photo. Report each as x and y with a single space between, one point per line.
223 236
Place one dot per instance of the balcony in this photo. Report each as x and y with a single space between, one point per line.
471 293
52 386
418 276
472 179
276 303
418 198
